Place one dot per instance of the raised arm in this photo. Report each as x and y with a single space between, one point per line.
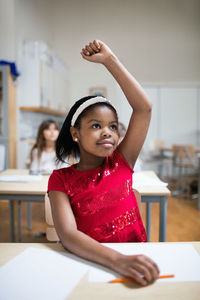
135 266
133 141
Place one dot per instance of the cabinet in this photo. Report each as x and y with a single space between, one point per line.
44 81
8 133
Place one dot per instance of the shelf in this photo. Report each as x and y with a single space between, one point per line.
43 110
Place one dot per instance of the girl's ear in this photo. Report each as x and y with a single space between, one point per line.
74 133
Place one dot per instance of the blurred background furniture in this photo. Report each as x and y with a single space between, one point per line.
8 135
21 191
159 158
197 195
3 157
184 165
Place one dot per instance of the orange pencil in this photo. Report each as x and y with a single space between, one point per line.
125 279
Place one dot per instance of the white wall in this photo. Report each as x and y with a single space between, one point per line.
175 115
157 40
7 31
34 20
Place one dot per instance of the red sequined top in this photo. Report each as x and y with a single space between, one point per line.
102 200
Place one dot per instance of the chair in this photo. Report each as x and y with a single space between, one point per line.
157 156
51 234
184 161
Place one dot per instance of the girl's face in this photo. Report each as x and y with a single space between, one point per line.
98 133
51 133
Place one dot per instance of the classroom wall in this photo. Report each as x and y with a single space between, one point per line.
34 20
7 32
157 40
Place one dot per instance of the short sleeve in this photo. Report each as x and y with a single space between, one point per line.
56 182
120 158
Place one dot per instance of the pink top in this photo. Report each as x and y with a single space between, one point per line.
102 200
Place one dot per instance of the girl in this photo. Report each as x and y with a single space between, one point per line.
92 201
43 156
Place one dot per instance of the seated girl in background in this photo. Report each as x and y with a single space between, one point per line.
43 155
93 201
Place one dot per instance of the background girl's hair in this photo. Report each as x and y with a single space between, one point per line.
65 146
40 143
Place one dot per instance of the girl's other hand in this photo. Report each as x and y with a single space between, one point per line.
96 52
139 267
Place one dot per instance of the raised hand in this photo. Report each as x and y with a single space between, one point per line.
96 52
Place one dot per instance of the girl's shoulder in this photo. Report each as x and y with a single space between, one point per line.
60 179
63 172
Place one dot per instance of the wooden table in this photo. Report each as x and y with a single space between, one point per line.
35 191
89 290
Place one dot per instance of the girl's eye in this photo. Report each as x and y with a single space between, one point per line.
113 127
96 126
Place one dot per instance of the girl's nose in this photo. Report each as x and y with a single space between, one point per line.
106 132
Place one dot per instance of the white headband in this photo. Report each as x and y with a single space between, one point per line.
87 103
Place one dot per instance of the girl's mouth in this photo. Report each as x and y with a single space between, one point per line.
105 143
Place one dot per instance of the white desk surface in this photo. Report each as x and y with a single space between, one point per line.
33 188
89 290
152 190
40 187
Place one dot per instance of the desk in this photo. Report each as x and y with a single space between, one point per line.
153 194
35 191
21 191
86 290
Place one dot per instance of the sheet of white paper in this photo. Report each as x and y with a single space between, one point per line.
20 178
46 274
40 274
181 260
141 179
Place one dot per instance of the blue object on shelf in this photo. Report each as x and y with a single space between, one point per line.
13 68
